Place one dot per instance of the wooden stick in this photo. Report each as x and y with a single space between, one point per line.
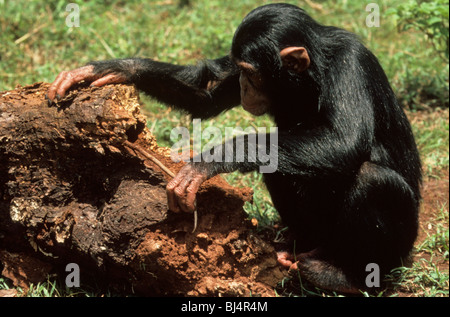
147 155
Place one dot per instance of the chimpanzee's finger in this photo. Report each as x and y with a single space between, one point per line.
294 266
191 192
181 193
172 200
51 94
66 79
285 259
108 79
75 76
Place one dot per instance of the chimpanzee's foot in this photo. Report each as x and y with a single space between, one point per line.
317 269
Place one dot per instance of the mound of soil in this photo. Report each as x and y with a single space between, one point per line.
72 191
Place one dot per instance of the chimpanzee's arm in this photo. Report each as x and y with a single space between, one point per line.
204 90
308 155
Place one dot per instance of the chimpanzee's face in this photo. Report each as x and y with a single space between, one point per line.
253 98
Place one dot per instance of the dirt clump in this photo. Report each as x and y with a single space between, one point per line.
72 191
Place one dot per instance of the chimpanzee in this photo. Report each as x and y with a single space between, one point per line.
349 174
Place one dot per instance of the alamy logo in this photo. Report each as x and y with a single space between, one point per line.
373 278
373 19
73 278
73 18
257 146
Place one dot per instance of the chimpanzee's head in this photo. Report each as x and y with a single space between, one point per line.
266 46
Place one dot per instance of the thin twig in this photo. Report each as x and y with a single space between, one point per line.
147 155
150 157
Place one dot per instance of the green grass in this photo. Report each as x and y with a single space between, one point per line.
55 286
438 242
36 45
431 130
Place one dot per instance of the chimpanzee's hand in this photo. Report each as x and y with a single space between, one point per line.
182 189
67 79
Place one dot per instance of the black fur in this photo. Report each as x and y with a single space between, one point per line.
349 173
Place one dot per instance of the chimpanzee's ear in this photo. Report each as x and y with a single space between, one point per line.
295 58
